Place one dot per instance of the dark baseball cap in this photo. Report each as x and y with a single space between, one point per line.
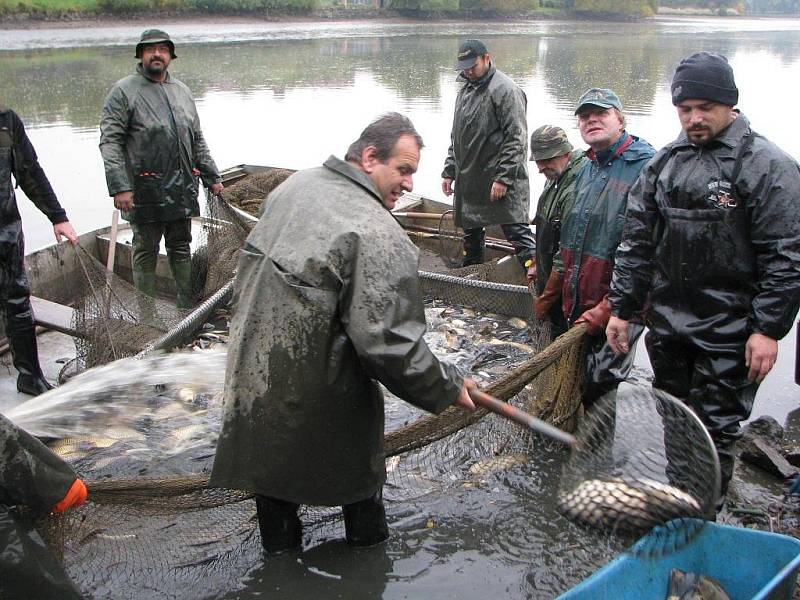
154 36
468 53
548 142
604 98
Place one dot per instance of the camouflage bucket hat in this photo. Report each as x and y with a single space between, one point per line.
154 36
548 142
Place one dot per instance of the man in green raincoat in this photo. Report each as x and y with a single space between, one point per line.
154 151
327 305
486 168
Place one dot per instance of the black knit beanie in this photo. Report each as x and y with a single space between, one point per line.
704 76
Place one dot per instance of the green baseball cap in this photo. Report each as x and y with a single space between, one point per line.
602 97
154 36
548 142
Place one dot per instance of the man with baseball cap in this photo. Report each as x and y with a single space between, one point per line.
712 239
486 165
592 230
154 151
559 163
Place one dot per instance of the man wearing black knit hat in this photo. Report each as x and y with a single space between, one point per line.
712 238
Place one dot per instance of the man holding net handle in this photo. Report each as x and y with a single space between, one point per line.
712 241
154 151
324 310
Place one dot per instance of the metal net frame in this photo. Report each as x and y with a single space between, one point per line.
644 459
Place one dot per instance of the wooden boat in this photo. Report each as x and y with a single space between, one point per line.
429 224
52 273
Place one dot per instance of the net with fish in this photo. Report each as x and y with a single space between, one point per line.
206 537
644 459
145 495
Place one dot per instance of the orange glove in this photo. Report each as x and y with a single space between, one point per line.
76 495
550 294
596 317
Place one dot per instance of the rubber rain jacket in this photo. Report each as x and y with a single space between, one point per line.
554 205
489 142
30 475
151 141
18 159
593 227
327 303
716 249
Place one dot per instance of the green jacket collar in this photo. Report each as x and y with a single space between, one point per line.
355 175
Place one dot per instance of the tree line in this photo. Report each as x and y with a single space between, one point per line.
589 8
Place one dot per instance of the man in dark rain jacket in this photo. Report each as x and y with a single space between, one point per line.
328 304
712 237
33 477
154 151
559 163
18 160
486 164
592 231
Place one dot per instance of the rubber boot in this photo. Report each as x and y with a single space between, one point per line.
365 521
182 273
145 282
474 246
30 380
279 524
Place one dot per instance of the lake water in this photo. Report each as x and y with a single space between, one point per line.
290 94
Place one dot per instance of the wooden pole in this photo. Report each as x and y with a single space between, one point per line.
112 240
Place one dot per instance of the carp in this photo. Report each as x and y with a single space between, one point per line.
633 505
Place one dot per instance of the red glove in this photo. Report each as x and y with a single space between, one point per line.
76 495
550 294
596 317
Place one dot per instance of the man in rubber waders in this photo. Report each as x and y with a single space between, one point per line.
591 233
559 162
33 481
328 308
486 170
712 244
154 153
19 163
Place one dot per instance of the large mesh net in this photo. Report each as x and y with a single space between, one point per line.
141 499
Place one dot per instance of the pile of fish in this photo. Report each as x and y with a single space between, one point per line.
163 424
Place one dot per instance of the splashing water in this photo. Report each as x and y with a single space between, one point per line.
117 394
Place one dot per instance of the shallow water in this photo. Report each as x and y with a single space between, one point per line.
291 94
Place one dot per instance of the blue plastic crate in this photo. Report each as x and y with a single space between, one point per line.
750 565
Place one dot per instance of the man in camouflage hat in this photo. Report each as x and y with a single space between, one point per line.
486 164
154 152
559 163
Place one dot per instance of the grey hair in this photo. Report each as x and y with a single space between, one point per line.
383 134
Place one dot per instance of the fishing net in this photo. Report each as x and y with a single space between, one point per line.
112 319
643 459
206 536
145 494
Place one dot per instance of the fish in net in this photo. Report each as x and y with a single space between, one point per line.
207 537
151 497
644 459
